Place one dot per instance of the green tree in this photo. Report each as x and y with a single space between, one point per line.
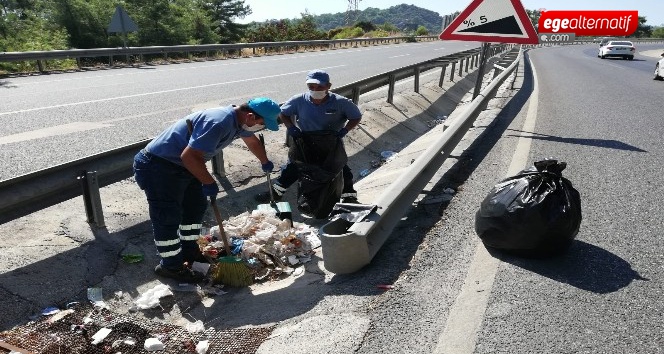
642 30
223 14
85 21
658 32
421 31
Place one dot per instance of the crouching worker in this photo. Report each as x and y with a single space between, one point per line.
171 171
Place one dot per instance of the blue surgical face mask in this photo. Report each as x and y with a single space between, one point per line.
317 95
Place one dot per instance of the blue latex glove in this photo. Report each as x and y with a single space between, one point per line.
294 131
210 190
268 166
342 132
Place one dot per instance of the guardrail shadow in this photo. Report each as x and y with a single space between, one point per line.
604 143
583 266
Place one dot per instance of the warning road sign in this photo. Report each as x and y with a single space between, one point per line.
503 21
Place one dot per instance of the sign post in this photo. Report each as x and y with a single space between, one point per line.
499 21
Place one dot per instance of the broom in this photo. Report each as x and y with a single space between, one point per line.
230 270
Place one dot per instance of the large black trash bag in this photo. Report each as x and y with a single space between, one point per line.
536 213
319 157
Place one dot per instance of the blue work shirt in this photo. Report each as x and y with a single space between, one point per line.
214 129
329 115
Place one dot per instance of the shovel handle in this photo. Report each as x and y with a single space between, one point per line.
267 174
217 215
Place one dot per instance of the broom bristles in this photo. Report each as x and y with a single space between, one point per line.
233 272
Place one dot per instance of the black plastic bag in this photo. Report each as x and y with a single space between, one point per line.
536 213
319 157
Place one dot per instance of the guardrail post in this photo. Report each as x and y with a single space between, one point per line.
390 90
442 75
40 66
461 67
91 198
218 164
110 60
417 79
78 63
452 71
467 62
356 94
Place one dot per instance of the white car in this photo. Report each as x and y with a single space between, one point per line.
623 49
659 69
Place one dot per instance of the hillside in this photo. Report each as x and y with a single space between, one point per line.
405 17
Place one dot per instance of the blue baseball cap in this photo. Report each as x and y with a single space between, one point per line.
267 109
319 77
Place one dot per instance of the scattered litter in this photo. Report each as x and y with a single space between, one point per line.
298 271
199 267
150 298
50 311
186 288
213 290
153 344
352 212
60 315
132 258
95 294
365 172
127 341
388 155
195 327
100 335
385 286
449 191
436 199
202 346
267 245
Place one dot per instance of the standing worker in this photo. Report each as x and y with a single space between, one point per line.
171 170
317 109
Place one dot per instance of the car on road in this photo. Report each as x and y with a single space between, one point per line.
659 69
602 41
623 49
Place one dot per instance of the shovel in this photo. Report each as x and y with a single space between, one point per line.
283 209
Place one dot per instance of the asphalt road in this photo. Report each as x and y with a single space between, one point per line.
603 117
51 119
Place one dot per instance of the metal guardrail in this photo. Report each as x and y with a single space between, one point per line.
347 247
256 47
29 193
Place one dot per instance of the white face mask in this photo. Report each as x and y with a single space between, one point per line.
253 128
317 95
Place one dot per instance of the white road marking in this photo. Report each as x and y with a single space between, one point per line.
52 131
76 127
160 92
467 312
398 56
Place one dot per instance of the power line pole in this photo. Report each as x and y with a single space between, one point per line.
352 12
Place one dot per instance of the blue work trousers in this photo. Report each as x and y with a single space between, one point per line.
177 206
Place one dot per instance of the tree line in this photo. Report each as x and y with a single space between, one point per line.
37 25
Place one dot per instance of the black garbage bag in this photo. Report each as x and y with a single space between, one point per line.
536 213
319 157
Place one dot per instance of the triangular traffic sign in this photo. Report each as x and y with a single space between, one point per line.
121 22
502 21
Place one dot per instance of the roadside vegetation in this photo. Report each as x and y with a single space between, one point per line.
41 25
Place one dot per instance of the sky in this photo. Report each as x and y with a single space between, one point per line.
278 9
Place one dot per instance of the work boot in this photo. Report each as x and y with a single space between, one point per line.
264 197
183 275
194 256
